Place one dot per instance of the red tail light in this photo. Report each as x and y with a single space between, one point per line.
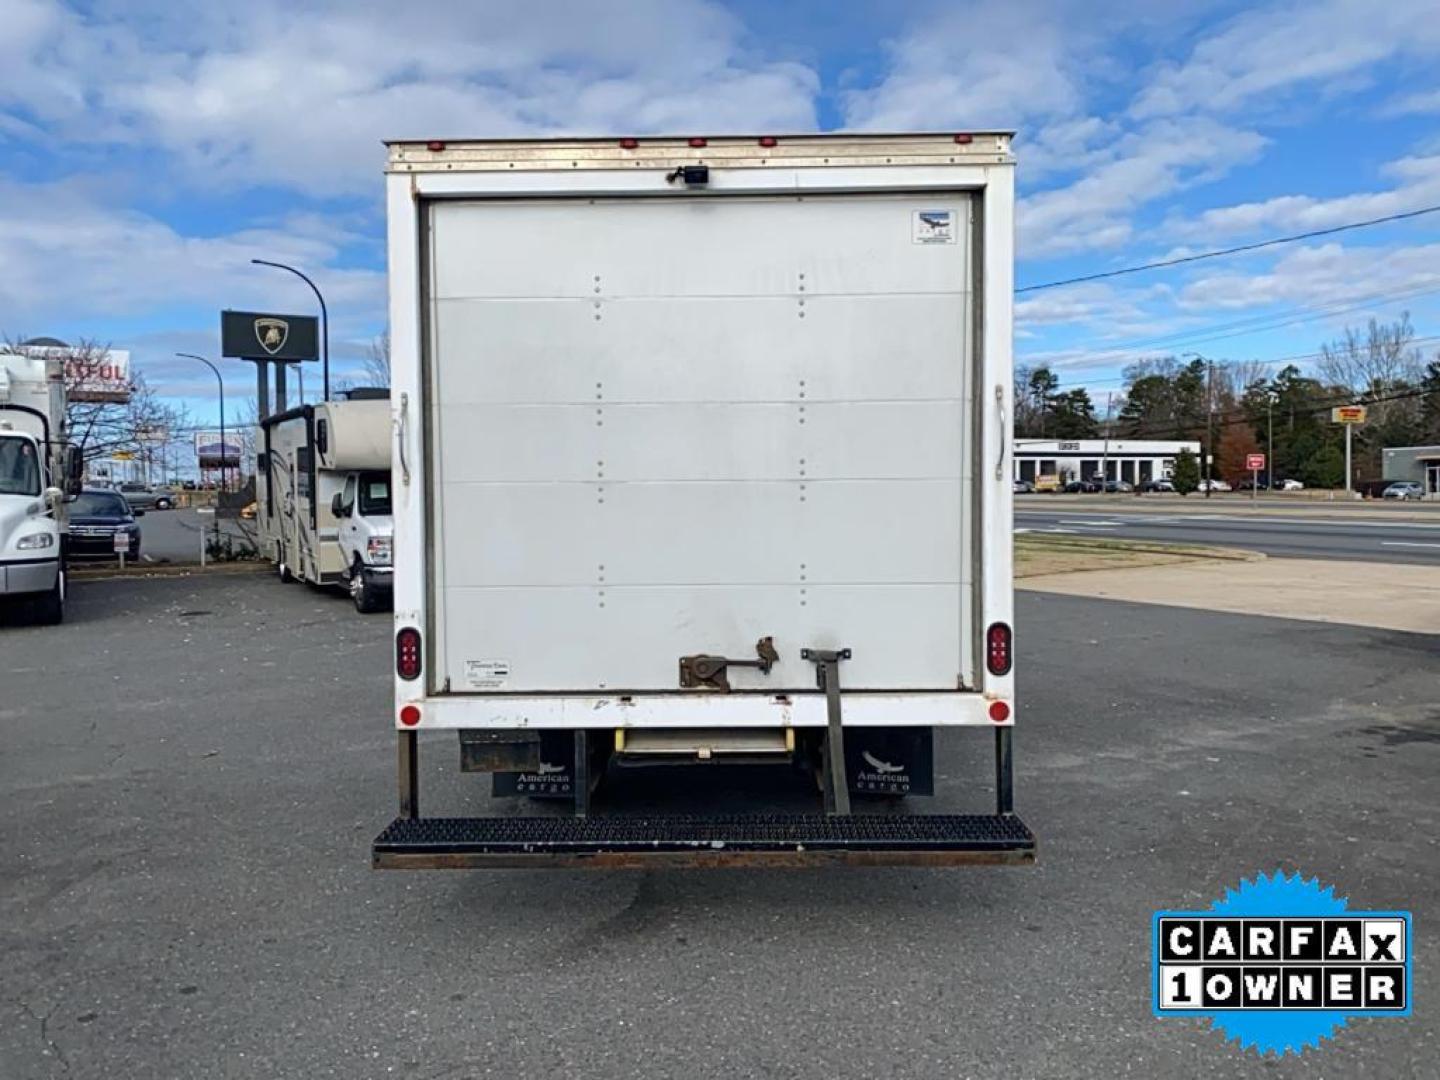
629 144
698 142
999 712
964 138
769 140
407 653
997 649
410 715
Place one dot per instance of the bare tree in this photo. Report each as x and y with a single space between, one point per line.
376 364
1383 356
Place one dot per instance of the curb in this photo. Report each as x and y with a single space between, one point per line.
164 570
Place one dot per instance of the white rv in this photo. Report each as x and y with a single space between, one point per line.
702 454
37 472
322 496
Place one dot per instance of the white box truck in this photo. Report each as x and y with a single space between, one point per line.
702 455
39 471
322 496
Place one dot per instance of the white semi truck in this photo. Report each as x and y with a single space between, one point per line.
702 456
38 471
322 495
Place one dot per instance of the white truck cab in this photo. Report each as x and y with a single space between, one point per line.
35 474
363 510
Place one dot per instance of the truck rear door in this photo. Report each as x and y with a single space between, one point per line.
662 427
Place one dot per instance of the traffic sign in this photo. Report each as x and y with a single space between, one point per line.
1348 414
1255 462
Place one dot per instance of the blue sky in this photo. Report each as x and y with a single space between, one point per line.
148 149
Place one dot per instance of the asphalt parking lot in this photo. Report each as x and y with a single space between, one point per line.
194 769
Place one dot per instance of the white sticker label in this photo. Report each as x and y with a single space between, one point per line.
933 227
487 674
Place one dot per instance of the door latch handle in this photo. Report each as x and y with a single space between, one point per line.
709 672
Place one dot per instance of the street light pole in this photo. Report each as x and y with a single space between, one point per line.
221 383
324 320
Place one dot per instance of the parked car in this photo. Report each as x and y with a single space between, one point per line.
1289 485
1403 489
1119 487
96 516
1252 485
1214 485
1163 483
144 497
1077 487
1024 487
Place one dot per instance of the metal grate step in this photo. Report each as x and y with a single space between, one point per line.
726 840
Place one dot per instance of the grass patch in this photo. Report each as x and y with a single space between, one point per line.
1048 553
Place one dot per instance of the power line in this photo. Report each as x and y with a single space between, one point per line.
1277 361
1272 242
1276 319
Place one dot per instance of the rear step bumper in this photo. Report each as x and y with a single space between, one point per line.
732 840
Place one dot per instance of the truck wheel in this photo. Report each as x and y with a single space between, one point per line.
50 608
362 592
280 568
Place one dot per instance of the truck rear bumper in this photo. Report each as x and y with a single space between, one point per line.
728 840
28 576
700 710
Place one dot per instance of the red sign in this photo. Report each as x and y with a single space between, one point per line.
1254 462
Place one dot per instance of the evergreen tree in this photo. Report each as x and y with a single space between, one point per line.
1187 473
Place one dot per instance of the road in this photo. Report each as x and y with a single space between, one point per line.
1364 537
173 536
192 781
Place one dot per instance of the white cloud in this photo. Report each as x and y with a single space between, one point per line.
302 94
1421 102
1324 275
1096 211
987 65
1417 184
1264 56
61 249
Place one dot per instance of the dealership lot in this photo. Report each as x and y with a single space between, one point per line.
190 800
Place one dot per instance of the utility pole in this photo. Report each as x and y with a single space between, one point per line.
1209 425
1105 458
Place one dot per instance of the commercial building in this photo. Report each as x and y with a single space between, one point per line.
1132 460
1418 463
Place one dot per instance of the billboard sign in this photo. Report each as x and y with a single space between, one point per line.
1348 414
258 335
208 450
91 375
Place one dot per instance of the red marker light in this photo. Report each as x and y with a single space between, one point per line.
768 140
435 146
698 142
964 138
410 715
629 144
997 649
999 711
407 653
